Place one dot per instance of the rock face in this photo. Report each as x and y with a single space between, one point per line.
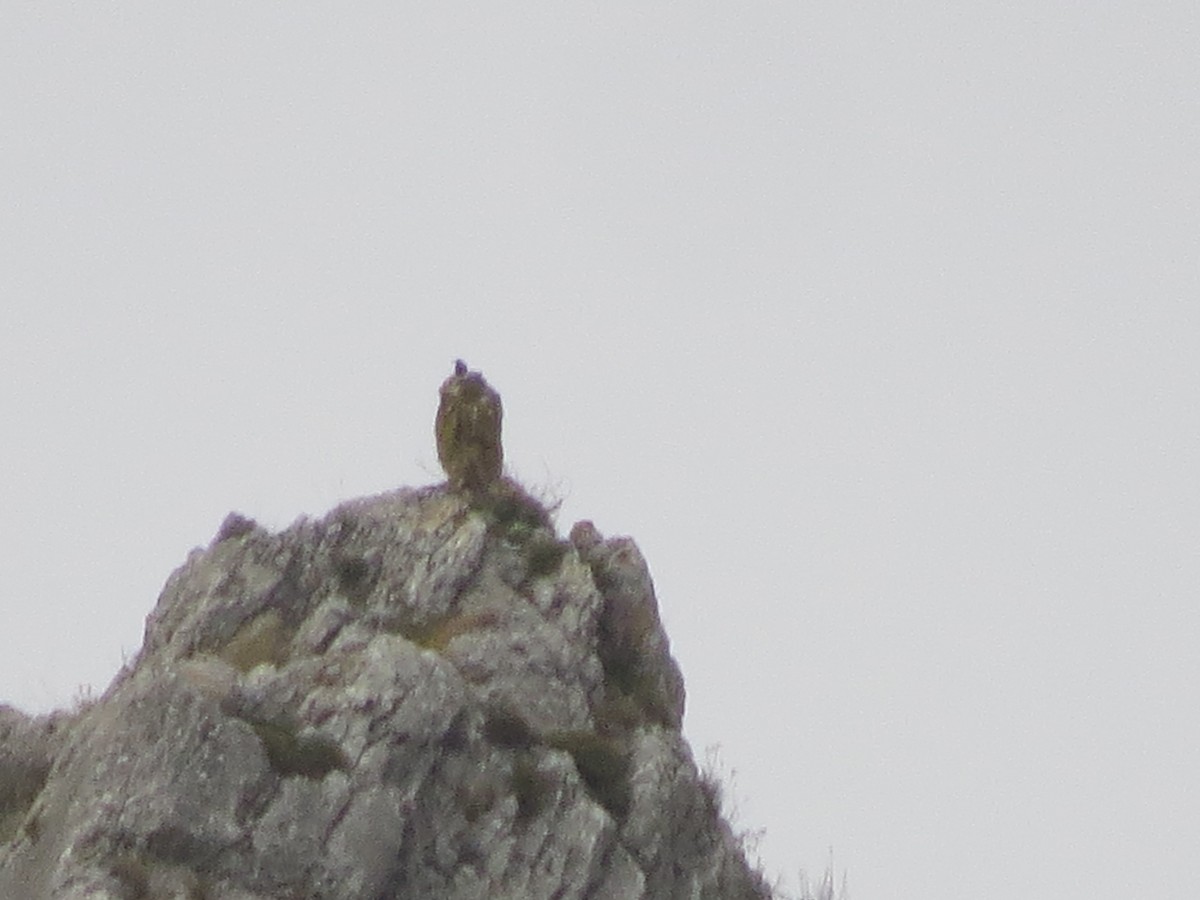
409 698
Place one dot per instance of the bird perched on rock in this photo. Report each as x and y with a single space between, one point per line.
468 430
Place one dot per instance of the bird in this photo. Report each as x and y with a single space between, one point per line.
467 430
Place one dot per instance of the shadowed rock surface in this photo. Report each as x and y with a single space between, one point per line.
406 698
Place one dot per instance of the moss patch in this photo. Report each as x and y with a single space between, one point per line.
603 765
436 635
532 787
356 576
512 511
617 713
543 554
310 756
17 794
264 639
505 727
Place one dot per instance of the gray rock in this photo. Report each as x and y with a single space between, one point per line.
409 697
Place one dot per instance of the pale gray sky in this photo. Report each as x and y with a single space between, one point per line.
877 327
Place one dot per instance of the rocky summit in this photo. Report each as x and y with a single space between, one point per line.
419 695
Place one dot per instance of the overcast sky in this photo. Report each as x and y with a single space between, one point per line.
876 325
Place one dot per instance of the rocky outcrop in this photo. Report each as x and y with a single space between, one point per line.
411 697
